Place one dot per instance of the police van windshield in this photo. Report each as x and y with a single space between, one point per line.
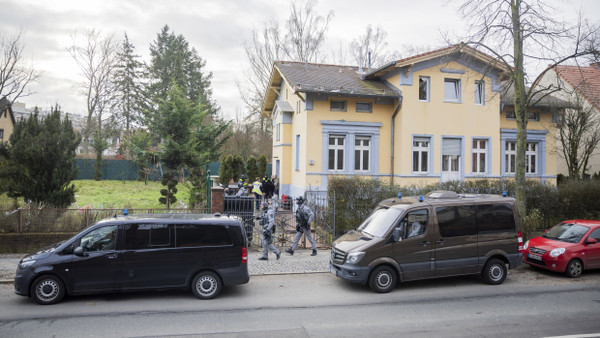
380 221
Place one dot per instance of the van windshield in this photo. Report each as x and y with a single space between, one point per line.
380 221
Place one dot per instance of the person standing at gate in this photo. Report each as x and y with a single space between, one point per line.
304 218
256 189
268 222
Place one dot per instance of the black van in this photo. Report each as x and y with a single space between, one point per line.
443 234
140 252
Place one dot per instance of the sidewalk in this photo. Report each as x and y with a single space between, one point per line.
300 262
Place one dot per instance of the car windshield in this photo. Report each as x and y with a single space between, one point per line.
379 221
566 232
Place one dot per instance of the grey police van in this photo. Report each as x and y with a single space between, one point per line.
140 252
440 235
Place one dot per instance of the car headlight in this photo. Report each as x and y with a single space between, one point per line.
26 264
526 245
354 257
557 252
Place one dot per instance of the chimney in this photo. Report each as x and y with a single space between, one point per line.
369 61
595 65
305 64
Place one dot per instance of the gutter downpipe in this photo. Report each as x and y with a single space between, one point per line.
393 132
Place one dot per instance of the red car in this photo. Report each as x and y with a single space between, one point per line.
569 247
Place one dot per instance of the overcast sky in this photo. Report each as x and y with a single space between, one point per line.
216 28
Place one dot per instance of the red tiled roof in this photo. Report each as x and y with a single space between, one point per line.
586 80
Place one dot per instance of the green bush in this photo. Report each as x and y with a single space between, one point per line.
547 205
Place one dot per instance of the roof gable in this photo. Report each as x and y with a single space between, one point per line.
5 105
585 80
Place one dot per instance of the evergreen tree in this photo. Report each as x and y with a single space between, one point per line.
41 157
130 94
174 61
252 167
262 165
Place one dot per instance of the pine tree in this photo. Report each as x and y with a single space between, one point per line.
130 100
41 156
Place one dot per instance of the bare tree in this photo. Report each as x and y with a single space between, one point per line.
305 32
96 57
301 40
368 50
16 74
579 136
524 33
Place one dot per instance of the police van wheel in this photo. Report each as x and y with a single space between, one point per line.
47 289
494 272
206 285
382 279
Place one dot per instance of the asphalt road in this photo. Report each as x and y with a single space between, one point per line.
321 305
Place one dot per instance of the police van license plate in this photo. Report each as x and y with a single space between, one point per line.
332 269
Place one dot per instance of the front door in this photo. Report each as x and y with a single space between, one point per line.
97 269
451 159
414 253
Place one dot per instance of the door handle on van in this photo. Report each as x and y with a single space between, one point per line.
440 241
112 256
425 243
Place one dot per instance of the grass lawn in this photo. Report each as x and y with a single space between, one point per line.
116 194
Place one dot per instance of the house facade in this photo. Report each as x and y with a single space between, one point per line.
425 119
580 86
7 120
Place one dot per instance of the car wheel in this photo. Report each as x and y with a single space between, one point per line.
494 271
47 289
382 279
206 285
574 268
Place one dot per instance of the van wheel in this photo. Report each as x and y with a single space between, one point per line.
47 289
206 285
382 279
494 271
574 269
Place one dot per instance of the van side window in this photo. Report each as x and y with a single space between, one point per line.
495 217
415 223
456 221
147 236
101 239
193 235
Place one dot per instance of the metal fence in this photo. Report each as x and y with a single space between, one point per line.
68 220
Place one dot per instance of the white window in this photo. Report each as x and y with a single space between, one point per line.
531 158
362 151
364 107
337 105
480 92
421 154
452 90
479 156
510 157
336 152
278 132
423 88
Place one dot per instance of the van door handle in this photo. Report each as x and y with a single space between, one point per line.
425 243
441 241
112 256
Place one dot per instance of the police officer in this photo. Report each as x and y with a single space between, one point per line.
268 221
243 190
304 218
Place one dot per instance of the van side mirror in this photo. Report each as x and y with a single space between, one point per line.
79 252
397 235
591 240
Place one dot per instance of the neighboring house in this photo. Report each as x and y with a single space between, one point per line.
425 119
579 86
7 120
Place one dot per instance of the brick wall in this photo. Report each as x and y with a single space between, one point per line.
217 196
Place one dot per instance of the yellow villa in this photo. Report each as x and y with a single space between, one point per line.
429 118
7 120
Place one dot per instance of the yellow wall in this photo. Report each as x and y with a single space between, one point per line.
6 124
